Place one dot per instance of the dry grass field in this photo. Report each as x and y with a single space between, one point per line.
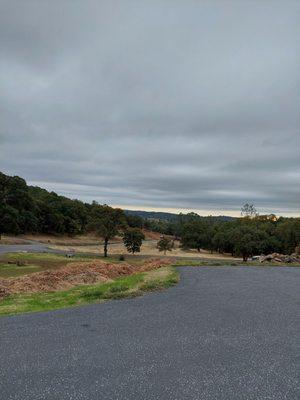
64 240
7 239
148 249
88 239
90 243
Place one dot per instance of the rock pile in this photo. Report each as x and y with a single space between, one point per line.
282 258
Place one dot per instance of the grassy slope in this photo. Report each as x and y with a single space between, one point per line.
129 286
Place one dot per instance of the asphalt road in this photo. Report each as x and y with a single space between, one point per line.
33 247
222 333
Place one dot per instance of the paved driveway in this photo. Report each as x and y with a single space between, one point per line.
222 333
34 247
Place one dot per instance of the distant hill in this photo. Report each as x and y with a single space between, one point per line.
162 216
165 216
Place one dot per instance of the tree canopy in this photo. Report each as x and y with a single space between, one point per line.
107 222
165 244
133 239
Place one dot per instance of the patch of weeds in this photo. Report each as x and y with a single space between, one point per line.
121 288
160 283
171 281
93 294
117 295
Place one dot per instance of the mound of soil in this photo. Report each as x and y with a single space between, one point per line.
74 274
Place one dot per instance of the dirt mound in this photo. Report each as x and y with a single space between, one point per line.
74 274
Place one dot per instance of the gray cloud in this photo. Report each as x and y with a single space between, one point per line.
161 104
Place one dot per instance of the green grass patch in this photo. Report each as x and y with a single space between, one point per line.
13 270
35 262
128 286
22 256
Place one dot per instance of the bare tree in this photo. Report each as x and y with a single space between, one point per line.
249 211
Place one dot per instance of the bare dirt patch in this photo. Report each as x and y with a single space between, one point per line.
150 235
88 239
64 240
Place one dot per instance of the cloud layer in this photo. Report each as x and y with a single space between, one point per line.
161 104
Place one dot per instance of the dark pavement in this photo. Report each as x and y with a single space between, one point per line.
33 247
221 333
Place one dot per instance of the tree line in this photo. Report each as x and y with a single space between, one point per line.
251 234
30 209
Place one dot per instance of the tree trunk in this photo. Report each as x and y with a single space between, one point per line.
105 247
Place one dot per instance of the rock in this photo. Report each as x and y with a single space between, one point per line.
287 259
269 257
20 263
3 292
284 258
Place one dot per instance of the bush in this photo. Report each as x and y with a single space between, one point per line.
133 239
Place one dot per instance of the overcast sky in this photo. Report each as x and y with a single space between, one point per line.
185 105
